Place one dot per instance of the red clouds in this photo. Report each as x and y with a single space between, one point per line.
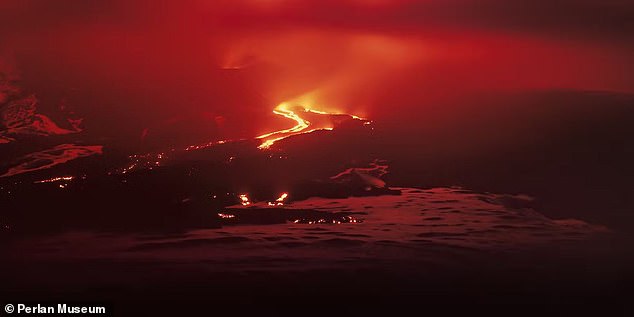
145 62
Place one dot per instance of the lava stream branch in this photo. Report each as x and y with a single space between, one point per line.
301 126
272 137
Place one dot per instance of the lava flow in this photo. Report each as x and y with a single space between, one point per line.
284 109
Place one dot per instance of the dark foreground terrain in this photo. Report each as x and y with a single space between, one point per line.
374 220
561 279
442 251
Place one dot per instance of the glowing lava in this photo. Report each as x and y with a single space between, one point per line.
281 110
55 179
279 201
301 127
321 120
244 200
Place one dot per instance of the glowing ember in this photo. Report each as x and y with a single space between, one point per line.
129 168
282 198
244 200
55 179
279 201
147 161
337 221
210 144
226 216
62 180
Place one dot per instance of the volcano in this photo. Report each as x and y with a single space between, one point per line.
274 157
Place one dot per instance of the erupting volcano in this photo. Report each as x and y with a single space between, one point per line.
421 156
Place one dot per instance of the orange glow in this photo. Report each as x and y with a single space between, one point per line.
198 147
282 198
244 200
301 126
56 179
281 110
342 220
279 201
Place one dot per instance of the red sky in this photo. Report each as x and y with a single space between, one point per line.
220 67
